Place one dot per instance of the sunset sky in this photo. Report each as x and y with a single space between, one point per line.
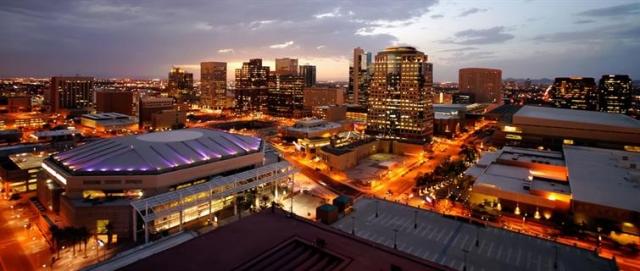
143 39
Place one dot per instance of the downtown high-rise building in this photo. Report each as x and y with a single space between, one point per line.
400 96
574 93
69 93
180 85
308 72
213 84
615 94
483 84
287 66
251 86
360 73
285 97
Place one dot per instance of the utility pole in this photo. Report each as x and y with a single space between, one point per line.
353 225
477 236
555 258
395 238
377 203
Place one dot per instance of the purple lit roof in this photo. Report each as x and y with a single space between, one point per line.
156 151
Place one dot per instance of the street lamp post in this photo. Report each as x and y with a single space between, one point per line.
555 258
464 266
477 236
395 238
353 225
291 195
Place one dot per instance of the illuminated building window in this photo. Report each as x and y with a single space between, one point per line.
514 137
511 129
567 141
101 226
632 148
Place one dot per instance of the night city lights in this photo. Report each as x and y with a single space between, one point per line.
320 135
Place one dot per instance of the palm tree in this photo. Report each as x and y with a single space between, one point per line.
71 234
469 154
57 238
84 235
264 201
109 228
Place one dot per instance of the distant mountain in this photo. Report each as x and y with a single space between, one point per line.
533 81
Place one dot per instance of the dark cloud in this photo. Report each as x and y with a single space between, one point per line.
144 37
461 56
437 16
472 11
613 11
480 36
618 33
459 49
588 21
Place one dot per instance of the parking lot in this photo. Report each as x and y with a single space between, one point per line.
449 242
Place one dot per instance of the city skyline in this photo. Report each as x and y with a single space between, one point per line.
140 40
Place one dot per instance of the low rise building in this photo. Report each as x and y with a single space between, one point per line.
458 244
356 113
19 171
168 119
270 240
118 101
533 126
61 139
15 104
314 128
150 105
593 184
109 121
347 156
330 112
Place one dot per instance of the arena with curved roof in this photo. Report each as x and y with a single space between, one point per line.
155 152
96 183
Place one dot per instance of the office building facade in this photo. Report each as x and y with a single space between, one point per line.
70 93
285 96
400 97
287 66
308 72
614 94
360 73
323 96
180 85
485 84
213 84
574 93
118 101
251 87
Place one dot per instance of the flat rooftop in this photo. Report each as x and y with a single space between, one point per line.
50 133
313 126
442 240
604 177
106 116
273 241
580 119
29 160
155 152
532 156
